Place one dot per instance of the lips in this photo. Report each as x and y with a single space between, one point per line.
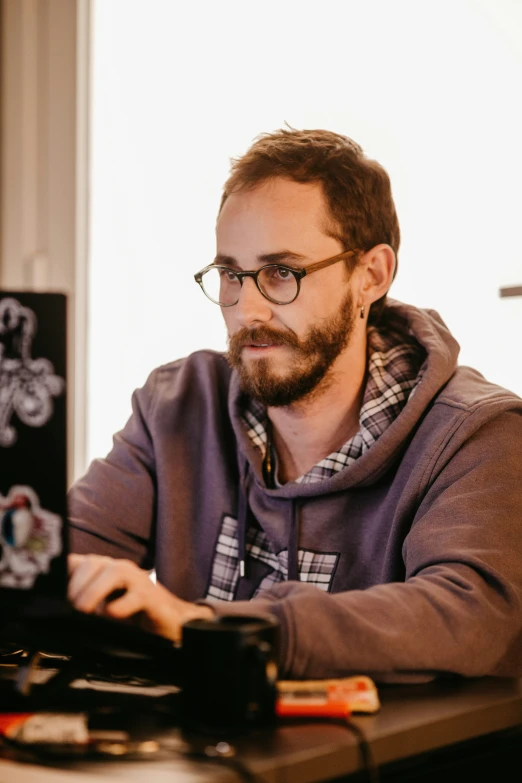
257 341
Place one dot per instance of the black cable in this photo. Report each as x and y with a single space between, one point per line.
371 767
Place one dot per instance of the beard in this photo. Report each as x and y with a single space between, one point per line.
308 367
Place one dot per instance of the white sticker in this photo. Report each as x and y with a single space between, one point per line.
27 385
30 538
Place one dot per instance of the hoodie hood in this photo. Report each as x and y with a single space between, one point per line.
430 331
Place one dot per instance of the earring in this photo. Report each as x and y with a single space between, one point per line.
362 311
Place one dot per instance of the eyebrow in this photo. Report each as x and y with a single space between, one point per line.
264 258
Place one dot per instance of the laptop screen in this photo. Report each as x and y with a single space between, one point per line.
33 445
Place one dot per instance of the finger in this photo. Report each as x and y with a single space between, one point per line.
113 575
73 561
86 569
96 591
132 602
161 609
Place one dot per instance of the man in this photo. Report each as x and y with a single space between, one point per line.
339 471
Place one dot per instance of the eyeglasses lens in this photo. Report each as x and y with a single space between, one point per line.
222 286
275 282
278 283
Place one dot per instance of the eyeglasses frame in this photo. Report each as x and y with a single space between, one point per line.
298 272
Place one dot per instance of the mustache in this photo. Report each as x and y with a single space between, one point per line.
263 334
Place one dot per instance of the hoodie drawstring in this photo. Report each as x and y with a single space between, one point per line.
293 543
242 521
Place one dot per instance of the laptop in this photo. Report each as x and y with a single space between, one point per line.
34 610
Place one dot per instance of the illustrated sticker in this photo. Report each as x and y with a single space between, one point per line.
30 538
27 385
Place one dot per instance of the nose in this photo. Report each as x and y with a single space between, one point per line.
252 307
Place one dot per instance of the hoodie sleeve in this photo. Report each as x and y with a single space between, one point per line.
112 508
459 610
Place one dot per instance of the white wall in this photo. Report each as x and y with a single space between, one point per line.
430 89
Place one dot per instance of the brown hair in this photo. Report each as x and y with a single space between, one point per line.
357 189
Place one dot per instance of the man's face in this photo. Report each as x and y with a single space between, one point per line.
284 352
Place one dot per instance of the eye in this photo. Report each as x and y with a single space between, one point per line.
281 273
228 275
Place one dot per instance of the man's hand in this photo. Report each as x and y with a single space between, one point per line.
92 579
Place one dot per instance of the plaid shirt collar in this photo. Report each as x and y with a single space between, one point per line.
394 371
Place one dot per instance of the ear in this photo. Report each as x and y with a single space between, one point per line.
376 267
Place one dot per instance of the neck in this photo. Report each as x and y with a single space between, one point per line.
309 430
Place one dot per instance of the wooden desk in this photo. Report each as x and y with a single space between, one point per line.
414 720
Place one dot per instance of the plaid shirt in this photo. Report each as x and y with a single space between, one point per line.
393 374
394 371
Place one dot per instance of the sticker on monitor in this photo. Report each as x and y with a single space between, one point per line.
30 538
27 385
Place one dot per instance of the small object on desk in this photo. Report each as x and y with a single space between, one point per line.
229 674
334 698
70 735
312 709
45 727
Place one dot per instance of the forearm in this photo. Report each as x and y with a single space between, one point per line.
107 516
449 621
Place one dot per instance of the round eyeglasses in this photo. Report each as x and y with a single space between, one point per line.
278 283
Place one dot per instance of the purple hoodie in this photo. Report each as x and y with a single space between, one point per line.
405 564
